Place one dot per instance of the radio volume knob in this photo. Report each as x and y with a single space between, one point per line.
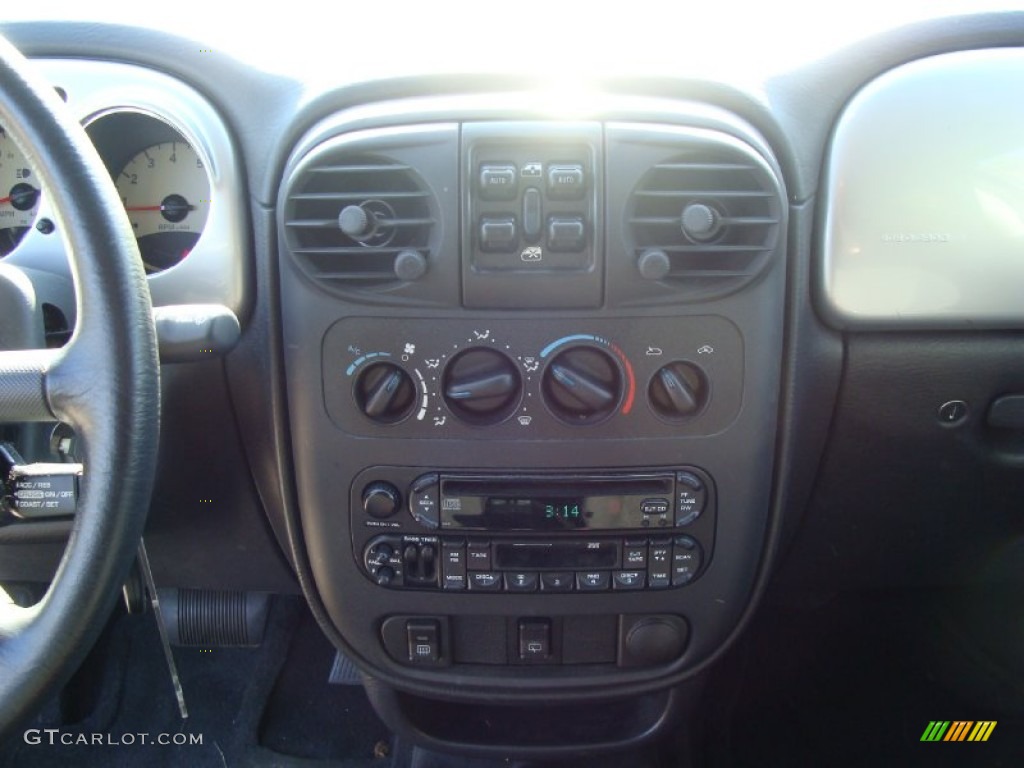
381 500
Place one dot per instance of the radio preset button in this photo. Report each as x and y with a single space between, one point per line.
557 582
521 582
478 555
629 580
692 496
592 581
484 581
686 560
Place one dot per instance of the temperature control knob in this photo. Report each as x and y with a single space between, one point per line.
582 385
385 393
678 390
482 386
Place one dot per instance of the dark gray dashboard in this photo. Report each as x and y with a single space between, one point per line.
360 370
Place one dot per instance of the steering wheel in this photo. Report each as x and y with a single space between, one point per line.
104 383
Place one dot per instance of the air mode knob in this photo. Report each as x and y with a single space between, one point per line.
385 393
582 385
482 386
678 391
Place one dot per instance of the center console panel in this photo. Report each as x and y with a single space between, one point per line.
533 371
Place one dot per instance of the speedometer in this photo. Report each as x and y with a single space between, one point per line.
19 194
166 194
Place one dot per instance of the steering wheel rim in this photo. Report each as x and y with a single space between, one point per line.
104 383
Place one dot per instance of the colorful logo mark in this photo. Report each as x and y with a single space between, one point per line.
958 730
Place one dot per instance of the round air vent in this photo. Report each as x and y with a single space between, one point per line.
358 221
706 220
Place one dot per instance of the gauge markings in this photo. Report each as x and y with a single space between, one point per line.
19 197
165 191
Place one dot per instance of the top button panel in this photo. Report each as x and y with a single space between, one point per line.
542 181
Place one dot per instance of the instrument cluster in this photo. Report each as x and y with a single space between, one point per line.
175 169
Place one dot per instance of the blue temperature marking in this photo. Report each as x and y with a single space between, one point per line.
565 339
360 360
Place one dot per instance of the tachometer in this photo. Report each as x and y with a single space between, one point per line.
166 193
19 194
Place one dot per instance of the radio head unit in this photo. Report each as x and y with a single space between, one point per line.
533 532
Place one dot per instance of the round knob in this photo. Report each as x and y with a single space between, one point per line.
384 576
385 393
482 386
654 264
678 391
410 265
355 222
582 385
381 500
700 221
381 554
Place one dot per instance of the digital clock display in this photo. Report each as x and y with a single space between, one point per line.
551 503
536 513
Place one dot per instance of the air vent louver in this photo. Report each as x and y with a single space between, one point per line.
359 221
705 220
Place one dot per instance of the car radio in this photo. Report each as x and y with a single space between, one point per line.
536 532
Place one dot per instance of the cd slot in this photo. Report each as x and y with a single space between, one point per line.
551 556
633 485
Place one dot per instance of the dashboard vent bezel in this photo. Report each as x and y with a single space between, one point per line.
734 191
401 207
405 179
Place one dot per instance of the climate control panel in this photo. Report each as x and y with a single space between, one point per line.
519 379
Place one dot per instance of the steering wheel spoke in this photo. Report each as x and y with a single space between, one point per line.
23 385
105 383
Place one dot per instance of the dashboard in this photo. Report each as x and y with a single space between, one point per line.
533 408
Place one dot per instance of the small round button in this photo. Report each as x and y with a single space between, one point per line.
384 576
381 500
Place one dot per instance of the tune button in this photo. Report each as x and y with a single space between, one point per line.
423 500
692 497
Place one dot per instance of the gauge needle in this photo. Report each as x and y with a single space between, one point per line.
4 200
156 207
